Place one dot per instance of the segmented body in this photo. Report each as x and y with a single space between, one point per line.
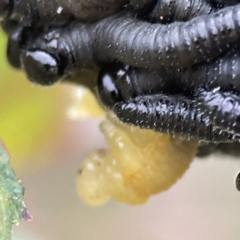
181 52
219 108
222 72
175 115
167 11
35 12
175 46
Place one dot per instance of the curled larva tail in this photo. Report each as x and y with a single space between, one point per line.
138 164
175 115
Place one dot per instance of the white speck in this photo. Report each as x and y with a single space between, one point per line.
120 144
59 9
216 89
90 166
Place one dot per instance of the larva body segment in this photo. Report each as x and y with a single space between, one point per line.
167 11
175 115
171 48
140 4
223 72
58 12
225 2
34 12
157 46
91 10
221 108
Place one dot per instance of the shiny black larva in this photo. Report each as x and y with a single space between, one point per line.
221 108
35 12
222 72
167 11
140 44
172 114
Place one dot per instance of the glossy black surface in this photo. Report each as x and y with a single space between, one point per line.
42 68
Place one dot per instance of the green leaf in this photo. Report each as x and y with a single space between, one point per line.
12 207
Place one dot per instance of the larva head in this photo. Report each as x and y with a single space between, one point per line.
5 8
108 87
42 67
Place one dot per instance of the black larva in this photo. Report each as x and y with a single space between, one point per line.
137 43
221 108
225 2
223 72
230 149
176 45
172 114
122 85
34 12
238 181
167 11
140 4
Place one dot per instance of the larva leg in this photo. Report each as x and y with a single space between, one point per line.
221 109
175 115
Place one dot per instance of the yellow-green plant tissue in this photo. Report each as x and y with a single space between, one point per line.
12 207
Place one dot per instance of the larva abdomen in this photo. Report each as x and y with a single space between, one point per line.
222 109
167 11
223 72
176 45
175 115
58 12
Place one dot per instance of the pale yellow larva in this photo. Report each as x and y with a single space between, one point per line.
138 164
